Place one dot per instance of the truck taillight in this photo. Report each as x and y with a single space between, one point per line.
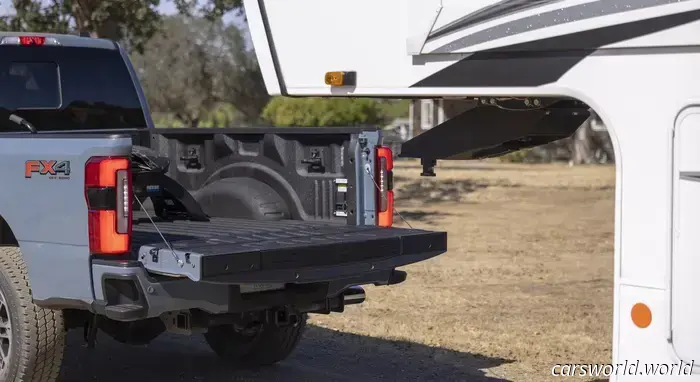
108 195
31 40
385 195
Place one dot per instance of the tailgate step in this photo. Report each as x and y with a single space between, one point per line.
125 312
244 251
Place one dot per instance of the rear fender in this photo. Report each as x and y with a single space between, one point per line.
44 206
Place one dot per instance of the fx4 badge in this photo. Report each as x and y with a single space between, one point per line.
50 168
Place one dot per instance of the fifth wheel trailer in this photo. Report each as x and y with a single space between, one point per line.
534 70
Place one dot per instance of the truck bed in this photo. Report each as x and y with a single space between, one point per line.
243 251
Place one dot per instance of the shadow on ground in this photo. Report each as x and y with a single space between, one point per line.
323 355
420 216
443 165
432 191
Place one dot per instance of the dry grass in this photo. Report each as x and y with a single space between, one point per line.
527 280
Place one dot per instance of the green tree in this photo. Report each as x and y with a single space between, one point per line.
177 72
395 108
211 9
130 21
193 67
317 112
238 77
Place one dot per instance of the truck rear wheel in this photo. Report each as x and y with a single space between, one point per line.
263 346
31 338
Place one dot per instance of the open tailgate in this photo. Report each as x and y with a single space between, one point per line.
244 251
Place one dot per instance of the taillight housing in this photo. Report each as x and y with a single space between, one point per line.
385 193
108 194
28 40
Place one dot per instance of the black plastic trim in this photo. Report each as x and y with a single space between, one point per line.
488 131
176 131
63 303
397 277
371 271
140 301
273 51
102 198
120 263
326 261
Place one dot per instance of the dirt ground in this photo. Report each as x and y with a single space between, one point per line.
526 283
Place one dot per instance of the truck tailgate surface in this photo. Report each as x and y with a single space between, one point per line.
244 251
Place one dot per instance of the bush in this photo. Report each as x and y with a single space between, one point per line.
520 156
317 112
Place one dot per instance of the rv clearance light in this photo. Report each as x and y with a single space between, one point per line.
335 78
641 315
341 78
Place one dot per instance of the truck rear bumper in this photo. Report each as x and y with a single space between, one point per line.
125 291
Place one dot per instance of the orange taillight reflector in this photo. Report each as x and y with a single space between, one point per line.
385 195
102 171
104 238
386 218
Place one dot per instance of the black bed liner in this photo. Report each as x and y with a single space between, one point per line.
236 250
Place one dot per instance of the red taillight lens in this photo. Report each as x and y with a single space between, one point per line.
108 195
385 195
29 40
32 40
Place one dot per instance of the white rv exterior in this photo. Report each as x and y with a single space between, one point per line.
635 62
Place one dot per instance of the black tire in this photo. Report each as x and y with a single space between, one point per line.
270 345
37 335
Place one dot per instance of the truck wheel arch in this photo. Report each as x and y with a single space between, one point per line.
242 197
263 175
7 236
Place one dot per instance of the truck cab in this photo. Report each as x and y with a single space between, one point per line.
110 224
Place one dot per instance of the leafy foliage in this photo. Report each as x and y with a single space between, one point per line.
192 65
211 10
238 77
176 71
130 21
394 108
314 112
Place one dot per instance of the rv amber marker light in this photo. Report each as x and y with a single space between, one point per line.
340 78
641 315
335 78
